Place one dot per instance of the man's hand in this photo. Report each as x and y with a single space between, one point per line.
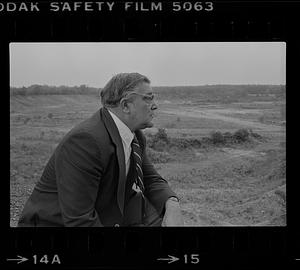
172 215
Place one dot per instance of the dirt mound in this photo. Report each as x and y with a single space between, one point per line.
275 221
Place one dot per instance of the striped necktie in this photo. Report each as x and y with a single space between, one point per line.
136 150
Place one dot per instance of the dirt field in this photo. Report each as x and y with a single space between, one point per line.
228 185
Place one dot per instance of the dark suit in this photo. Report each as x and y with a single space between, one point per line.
84 182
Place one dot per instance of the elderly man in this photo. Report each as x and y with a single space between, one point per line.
99 174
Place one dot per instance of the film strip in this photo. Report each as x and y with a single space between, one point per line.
234 21
156 21
174 248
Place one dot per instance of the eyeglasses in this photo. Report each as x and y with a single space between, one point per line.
147 97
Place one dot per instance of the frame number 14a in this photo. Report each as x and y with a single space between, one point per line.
46 259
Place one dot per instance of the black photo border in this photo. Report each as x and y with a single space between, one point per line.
136 248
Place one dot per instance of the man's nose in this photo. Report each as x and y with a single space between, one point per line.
154 106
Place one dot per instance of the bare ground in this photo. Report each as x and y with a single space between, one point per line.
235 185
224 189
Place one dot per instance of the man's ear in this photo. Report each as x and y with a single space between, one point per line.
125 105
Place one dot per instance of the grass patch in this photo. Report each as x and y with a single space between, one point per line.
158 157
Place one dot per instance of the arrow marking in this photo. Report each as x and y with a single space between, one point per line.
171 259
20 259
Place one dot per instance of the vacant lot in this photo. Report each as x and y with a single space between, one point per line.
241 183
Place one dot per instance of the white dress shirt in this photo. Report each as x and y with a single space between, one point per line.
126 136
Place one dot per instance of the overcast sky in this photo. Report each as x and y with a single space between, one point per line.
166 64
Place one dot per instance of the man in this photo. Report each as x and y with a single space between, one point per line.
99 174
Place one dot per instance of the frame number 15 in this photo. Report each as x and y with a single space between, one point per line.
191 258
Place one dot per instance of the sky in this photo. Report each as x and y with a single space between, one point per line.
165 64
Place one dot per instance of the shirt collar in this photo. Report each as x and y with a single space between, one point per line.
125 133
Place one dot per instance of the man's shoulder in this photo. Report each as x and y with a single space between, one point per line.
94 128
93 125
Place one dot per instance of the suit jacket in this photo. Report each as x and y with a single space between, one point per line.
83 183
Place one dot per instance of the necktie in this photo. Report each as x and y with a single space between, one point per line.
136 150
138 185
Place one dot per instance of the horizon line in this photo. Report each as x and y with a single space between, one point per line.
217 84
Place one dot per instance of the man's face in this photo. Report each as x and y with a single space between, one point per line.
143 106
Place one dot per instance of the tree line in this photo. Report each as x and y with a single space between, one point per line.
203 92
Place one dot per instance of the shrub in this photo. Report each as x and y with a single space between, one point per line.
217 137
26 120
242 135
184 143
159 141
255 135
159 145
42 134
228 137
158 157
161 135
